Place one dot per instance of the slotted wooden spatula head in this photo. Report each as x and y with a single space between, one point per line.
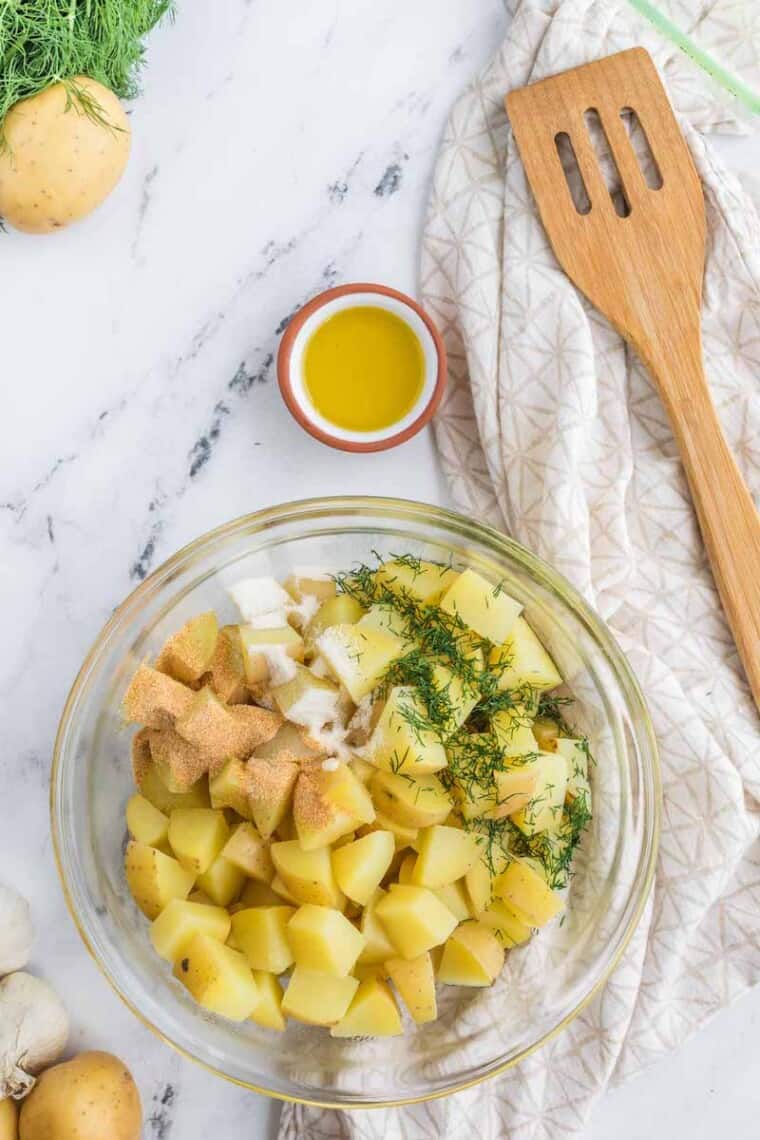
628 266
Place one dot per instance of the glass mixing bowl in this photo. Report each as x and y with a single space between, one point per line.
479 1032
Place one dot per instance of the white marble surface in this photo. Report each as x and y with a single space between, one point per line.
277 148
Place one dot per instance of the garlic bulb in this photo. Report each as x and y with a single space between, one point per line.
16 931
34 1028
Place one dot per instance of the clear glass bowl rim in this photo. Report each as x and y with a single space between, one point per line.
499 545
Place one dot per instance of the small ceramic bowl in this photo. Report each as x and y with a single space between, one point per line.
305 323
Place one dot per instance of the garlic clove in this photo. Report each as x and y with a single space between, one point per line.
16 930
34 1028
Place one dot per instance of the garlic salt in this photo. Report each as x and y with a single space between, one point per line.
16 930
34 1028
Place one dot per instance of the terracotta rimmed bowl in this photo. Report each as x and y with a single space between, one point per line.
305 323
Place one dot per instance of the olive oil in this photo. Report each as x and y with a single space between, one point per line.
363 368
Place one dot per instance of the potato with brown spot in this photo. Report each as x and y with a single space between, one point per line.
91 1097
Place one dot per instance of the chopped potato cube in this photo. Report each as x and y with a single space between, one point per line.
307 699
266 651
473 956
146 823
323 940
180 920
226 669
399 743
247 850
388 620
308 875
318 999
414 919
358 658
412 801
223 730
268 1011
405 836
575 753
341 610
188 653
498 916
258 894
359 866
328 804
546 732
270 786
229 788
377 945
477 883
454 898
516 788
513 732
544 811
523 660
218 977
261 934
155 699
445 854
373 1012
415 981
289 743
282 892
527 894
222 882
197 835
156 792
362 769
311 585
154 879
462 694
481 606
423 581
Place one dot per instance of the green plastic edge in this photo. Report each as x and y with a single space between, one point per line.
720 74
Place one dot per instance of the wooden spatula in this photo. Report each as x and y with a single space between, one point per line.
644 272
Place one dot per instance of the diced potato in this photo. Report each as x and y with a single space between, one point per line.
289 743
359 866
263 647
512 930
255 893
544 810
513 733
301 586
270 786
199 897
575 753
362 971
328 804
477 883
307 699
222 882
223 731
445 854
473 956
388 620
188 653
358 658
413 802
405 836
341 610
247 850
527 894
268 1011
454 898
261 934
414 919
180 920
156 792
516 788
323 940
523 660
154 879
226 668
218 977
399 742
373 1012
229 788
282 892
423 581
377 945
146 823
462 694
197 835
546 732
415 981
362 769
155 699
483 607
308 875
179 764
318 999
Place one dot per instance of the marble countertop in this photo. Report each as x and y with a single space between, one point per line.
278 148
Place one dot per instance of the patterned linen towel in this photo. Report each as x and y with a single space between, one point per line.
551 430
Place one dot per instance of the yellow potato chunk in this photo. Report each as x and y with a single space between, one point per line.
415 981
414 919
513 732
473 956
146 823
405 836
270 785
318 999
323 940
373 1012
358 657
512 930
155 699
307 699
516 787
258 894
359 866
197 835
289 743
153 788
415 578
229 788
218 977
341 610
278 886
154 879
575 753
268 1011
180 920
188 653
477 884
546 732
263 647
445 854
481 606
307 585
454 898
411 801
362 769
399 743
226 671
328 804
308 875
222 730
247 850
222 882
543 812
522 660
462 694
377 944
179 764
388 620
261 934
527 894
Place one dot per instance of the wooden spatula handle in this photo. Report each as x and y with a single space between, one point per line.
727 516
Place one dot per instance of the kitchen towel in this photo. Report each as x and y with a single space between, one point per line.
552 431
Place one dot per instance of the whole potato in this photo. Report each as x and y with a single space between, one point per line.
92 1097
58 162
8 1120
